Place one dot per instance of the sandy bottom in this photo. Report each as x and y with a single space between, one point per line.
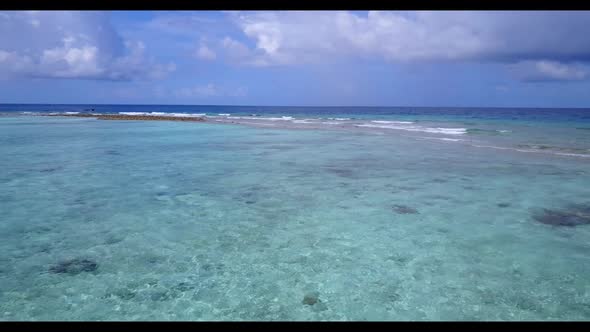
115 220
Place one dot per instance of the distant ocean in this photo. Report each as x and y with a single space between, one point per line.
559 131
295 213
567 115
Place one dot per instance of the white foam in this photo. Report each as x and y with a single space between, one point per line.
339 119
71 112
185 115
377 126
444 139
573 154
393 122
176 115
282 118
224 114
133 113
491 147
534 151
445 131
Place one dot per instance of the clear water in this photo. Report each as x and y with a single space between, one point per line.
208 221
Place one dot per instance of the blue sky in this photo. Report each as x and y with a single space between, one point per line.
327 58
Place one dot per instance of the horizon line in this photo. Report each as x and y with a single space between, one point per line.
301 106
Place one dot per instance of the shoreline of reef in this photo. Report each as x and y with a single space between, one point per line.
131 117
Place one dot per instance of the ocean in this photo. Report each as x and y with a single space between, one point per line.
295 213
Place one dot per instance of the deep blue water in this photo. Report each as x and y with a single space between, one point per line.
546 115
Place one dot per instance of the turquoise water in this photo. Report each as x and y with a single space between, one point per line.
207 221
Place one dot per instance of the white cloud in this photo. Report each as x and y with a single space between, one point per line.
72 45
559 71
298 37
134 65
545 70
205 53
235 49
14 63
68 61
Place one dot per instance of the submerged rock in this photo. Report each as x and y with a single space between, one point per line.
112 239
398 258
342 172
503 205
573 215
74 266
407 188
160 295
311 298
403 209
49 169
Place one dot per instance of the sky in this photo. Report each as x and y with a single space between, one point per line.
291 58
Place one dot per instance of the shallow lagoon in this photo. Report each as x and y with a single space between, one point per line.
190 221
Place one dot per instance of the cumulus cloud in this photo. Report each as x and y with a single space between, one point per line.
238 52
544 70
282 38
205 53
72 45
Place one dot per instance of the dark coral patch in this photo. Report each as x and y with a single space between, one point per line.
50 169
503 205
342 172
573 215
74 266
404 209
311 298
407 188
